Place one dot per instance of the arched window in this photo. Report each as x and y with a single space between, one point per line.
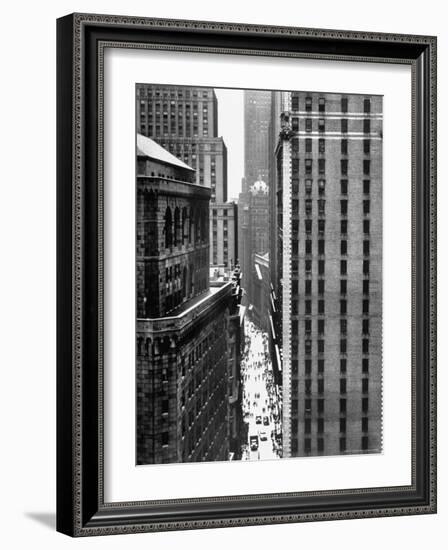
177 237
168 228
204 218
191 229
185 228
197 224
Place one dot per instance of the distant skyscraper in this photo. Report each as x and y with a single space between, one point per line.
329 206
257 115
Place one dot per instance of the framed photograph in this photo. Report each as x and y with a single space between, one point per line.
246 274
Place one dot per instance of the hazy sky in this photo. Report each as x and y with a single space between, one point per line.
231 128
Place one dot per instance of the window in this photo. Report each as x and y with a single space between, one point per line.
365 364
343 365
308 145
295 166
366 206
320 406
308 287
308 206
342 444
343 284
321 125
308 307
343 386
343 307
367 105
365 424
344 186
320 444
365 404
307 326
320 425
307 425
165 438
365 345
308 246
307 405
307 386
320 385
365 307
365 267
321 326
366 146
321 226
365 286
366 125
307 266
321 206
344 146
321 185
343 326
164 406
344 207
308 166
344 125
365 326
366 226
308 225
344 104
307 445
342 425
344 224
295 145
321 145
295 102
308 125
321 267
321 286
343 248
344 166
366 167
321 165
366 187
365 385
308 186
321 105
343 267
295 124
308 103
320 366
343 405
366 248
343 345
307 366
321 306
321 246
321 346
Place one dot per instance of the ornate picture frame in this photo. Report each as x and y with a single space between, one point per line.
81 43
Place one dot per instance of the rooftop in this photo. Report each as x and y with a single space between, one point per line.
146 147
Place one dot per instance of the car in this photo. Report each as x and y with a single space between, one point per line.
266 421
253 442
258 420
263 436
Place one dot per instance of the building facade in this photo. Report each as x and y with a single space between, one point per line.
329 207
224 235
257 116
185 341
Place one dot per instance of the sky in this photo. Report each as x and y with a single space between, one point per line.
231 128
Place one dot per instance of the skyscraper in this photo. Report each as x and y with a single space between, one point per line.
329 204
257 114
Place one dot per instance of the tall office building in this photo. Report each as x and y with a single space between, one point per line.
257 114
187 337
184 120
329 201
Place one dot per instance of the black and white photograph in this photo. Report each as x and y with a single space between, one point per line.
258 274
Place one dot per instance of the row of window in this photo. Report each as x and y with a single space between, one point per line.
321 365
320 405
321 103
295 125
320 323
144 91
321 146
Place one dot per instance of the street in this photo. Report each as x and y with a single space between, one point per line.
261 407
